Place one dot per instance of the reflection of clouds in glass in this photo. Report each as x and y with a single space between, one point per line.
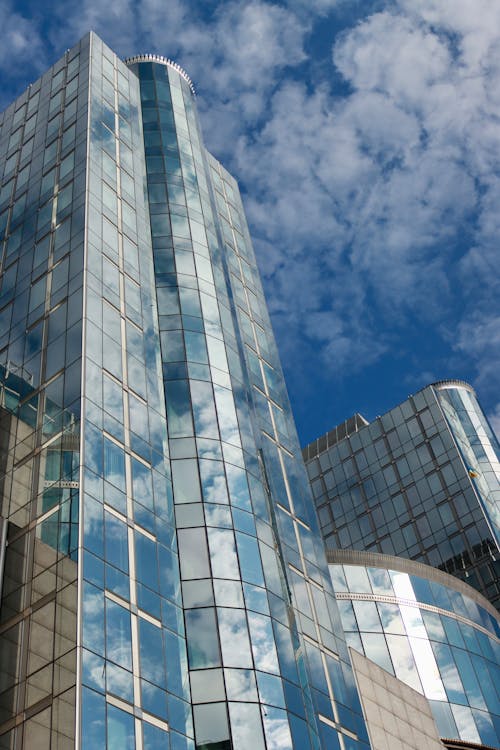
376 649
92 517
270 689
403 661
276 728
158 432
264 649
338 579
228 593
209 448
93 617
112 397
381 581
238 487
121 729
367 616
240 684
204 409
465 723
201 633
213 481
233 455
391 618
246 725
119 682
448 670
154 700
217 353
357 579
218 515
250 564
223 553
93 670
234 639
142 484
227 416
118 634
413 621
433 626
428 669
402 585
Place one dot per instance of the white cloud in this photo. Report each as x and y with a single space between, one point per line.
478 339
390 54
21 47
392 187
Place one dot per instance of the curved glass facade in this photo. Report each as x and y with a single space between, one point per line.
477 444
263 673
437 635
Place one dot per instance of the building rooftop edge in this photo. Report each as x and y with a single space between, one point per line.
313 448
451 383
162 61
412 567
335 435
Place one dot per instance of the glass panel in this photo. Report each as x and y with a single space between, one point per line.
413 621
223 553
277 729
193 553
391 618
154 738
375 648
263 646
118 635
465 723
367 616
449 673
246 726
240 685
403 661
234 638
211 725
151 653
120 729
357 579
427 669
202 640
270 689
186 483
380 581
402 585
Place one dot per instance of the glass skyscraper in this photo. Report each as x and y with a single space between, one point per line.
422 481
163 579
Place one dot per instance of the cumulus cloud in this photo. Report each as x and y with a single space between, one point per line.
22 51
479 340
389 190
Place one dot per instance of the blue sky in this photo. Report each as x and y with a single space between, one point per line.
366 139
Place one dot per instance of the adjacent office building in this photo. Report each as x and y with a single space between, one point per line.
163 580
436 634
421 482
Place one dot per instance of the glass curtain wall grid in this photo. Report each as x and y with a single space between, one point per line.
422 481
165 583
433 632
